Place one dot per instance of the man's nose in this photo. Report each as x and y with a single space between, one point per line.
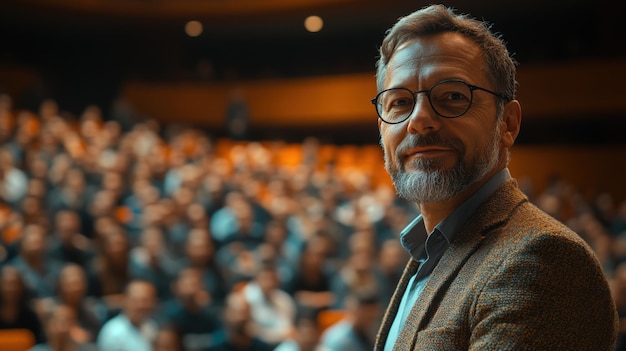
423 119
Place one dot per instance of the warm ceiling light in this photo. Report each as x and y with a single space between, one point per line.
193 28
313 23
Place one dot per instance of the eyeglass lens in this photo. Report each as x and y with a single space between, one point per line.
448 99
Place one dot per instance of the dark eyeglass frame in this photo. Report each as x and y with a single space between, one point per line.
471 88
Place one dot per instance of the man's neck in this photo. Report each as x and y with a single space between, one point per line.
63 344
36 263
242 340
191 305
134 322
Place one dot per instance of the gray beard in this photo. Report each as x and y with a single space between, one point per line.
428 182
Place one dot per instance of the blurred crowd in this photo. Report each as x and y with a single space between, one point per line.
137 236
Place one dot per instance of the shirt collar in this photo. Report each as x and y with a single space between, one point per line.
415 235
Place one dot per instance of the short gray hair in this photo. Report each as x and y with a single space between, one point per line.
436 19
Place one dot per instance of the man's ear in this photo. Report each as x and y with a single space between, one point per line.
512 119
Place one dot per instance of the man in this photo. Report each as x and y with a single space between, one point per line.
272 309
13 181
192 311
40 272
307 332
67 243
489 271
239 332
72 292
132 329
60 327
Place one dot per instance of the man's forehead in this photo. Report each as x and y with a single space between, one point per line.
446 56
443 46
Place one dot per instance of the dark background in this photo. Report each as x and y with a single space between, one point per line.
84 54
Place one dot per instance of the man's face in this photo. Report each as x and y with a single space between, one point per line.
140 302
72 284
68 224
268 281
188 286
431 158
11 285
237 314
34 242
61 323
199 247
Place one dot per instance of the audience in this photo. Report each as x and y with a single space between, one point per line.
93 215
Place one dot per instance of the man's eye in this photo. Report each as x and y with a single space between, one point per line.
455 96
452 96
402 102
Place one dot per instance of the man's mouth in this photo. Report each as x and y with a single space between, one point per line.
426 152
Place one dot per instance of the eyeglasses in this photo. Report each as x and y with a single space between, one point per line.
448 98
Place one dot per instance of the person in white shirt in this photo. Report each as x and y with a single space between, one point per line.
273 310
132 329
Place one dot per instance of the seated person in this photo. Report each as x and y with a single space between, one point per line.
169 338
133 329
39 272
192 311
15 309
200 255
90 313
151 261
273 310
238 331
60 331
357 331
67 243
306 335
108 273
311 285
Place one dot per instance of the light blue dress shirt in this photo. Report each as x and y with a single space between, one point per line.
119 334
427 249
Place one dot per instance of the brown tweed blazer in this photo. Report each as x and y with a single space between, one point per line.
514 279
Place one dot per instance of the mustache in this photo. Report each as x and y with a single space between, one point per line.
412 141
